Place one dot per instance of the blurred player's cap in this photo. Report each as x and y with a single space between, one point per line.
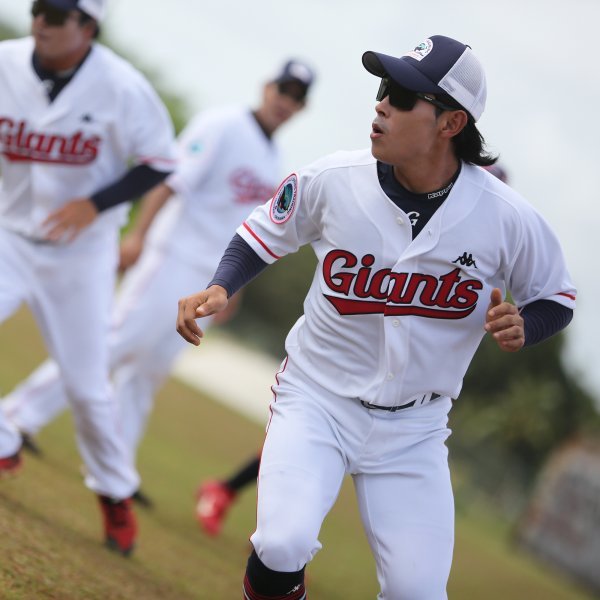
497 171
295 71
438 65
95 8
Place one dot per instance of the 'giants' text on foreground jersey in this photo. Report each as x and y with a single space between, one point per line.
388 317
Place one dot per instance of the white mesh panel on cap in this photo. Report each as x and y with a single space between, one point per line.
465 82
94 8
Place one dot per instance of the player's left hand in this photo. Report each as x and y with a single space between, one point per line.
504 323
66 223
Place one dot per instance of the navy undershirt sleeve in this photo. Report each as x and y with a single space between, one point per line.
239 265
543 318
135 183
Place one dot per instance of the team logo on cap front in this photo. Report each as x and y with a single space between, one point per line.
422 50
284 200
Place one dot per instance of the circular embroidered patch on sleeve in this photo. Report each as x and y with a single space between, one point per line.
284 200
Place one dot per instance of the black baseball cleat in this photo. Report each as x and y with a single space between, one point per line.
142 499
29 444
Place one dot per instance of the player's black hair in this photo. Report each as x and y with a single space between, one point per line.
469 144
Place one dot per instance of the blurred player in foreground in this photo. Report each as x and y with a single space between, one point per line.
417 247
228 164
81 131
216 496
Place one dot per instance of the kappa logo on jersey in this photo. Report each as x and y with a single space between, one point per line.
284 200
248 188
466 260
19 143
386 292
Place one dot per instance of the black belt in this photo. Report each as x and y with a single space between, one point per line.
419 400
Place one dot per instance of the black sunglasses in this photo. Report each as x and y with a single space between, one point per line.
54 17
293 90
404 99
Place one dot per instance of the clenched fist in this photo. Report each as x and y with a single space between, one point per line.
504 323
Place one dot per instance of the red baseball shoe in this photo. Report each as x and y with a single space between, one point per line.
120 526
10 465
213 501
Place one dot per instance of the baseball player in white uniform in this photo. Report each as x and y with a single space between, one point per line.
80 132
228 164
216 496
417 247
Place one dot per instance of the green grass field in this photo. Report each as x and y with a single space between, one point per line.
50 524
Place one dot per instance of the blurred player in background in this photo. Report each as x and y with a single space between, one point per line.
228 163
417 247
81 131
215 496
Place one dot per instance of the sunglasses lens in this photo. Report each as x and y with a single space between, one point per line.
402 99
383 90
398 97
293 90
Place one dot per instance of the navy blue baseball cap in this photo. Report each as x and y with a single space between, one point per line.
94 8
438 65
295 71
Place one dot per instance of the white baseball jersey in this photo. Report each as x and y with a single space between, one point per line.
226 167
388 318
107 118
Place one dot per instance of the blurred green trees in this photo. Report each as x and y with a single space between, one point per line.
514 410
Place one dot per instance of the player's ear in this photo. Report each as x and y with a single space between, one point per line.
452 122
90 27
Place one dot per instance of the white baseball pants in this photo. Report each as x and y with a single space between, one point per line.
68 288
398 462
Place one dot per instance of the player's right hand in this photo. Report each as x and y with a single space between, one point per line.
68 221
205 303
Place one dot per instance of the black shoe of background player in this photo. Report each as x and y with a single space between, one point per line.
142 499
30 445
